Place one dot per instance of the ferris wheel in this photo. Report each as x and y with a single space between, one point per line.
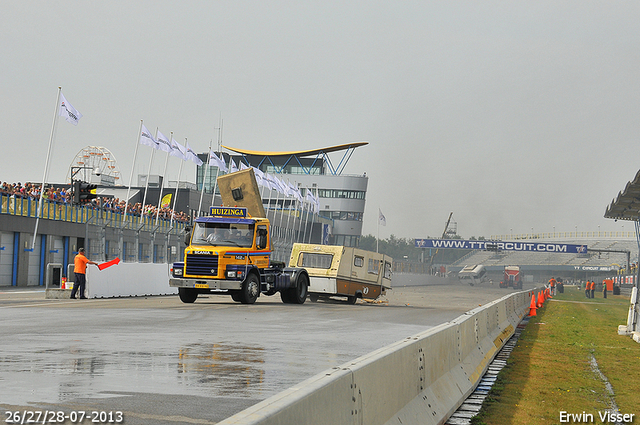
94 164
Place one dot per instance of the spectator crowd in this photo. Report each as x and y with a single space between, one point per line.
63 195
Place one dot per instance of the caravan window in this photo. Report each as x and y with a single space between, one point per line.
315 260
387 270
374 266
358 261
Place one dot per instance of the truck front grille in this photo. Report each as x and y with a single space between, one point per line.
201 265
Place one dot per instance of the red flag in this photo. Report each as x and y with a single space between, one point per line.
109 263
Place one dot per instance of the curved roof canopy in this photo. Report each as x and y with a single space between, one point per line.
626 206
310 152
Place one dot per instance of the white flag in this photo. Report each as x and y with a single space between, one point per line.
215 161
381 219
309 196
192 156
147 139
258 172
67 111
243 166
295 191
178 150
163 142
232 166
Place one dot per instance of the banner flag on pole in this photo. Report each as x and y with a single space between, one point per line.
215 161
243 166
67 111
163 143
232 166
147 139
166 201
381 218
177 150
192 156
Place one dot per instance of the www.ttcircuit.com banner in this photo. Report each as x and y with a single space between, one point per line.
502 245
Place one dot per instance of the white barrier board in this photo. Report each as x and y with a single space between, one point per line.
129 279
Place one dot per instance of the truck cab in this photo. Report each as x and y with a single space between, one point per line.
512 278
229 252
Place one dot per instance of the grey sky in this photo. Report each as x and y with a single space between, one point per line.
513 115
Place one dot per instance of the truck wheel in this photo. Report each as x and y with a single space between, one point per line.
297 295
187 295
235 295
250 289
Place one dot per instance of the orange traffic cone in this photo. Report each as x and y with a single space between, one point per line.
540 299
532 307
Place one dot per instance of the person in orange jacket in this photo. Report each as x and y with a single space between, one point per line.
593 289
552 286
587 289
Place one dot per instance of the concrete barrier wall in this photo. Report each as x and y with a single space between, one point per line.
422 379
129 279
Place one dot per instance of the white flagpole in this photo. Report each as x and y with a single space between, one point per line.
215 185
175 197
166 160
301 215
313 216
378 236
282 213
288 217
46 168
204 178
146 184
135 154
307 220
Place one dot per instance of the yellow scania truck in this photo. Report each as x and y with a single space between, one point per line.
229 251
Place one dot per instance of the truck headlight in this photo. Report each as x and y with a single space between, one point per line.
235 274
176 272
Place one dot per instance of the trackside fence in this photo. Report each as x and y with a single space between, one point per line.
422 379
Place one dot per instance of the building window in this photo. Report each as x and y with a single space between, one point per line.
342 215
341 194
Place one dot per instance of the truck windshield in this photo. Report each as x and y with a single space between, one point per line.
223 234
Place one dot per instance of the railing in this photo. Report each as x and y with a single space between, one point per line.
565 235
408 267
27 207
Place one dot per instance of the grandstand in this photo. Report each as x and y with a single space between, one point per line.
539 266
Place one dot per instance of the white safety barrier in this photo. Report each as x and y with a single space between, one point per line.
422 379
129 279
633 324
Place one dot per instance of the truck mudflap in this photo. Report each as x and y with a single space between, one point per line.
206 284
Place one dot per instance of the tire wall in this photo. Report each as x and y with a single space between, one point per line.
422 379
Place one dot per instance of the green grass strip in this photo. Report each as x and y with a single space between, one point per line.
549 371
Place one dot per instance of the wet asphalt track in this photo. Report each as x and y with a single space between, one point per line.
160 361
